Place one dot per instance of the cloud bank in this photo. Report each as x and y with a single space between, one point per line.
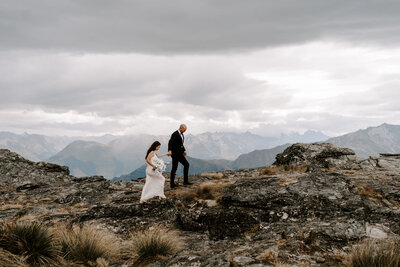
125 67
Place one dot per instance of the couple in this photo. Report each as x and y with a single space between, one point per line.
154 185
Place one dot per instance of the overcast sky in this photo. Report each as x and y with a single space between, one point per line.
81 67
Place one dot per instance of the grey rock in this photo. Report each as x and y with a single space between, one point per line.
341 200
243 261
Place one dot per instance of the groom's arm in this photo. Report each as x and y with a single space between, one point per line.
172 142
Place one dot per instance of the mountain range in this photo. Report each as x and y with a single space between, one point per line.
113 156
124 154
257 158
371 141
38 147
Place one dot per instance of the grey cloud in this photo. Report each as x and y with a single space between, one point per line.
116 85
177 26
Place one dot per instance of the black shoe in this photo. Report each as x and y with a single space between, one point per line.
187 183
174 185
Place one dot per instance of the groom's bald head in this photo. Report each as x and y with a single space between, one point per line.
182 128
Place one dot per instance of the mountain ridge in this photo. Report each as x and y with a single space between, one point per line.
372 141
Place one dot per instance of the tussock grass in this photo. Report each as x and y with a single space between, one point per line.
87 245
273 170
206 191
210 191
32 241
376 254
10 260
269 256
154 243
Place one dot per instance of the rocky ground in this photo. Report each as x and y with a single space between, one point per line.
309 209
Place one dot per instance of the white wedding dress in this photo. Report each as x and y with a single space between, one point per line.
154 185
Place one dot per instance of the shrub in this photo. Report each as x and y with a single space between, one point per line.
154 243
376 254
87 245
31 240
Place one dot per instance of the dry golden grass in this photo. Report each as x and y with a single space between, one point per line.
252 230
8 259
273 170
153 244
370 194
11 207
100 262
210 191
80 206
384 253
269 256
7 188
281 242
27 218
188 195
30 240
215 175
87 244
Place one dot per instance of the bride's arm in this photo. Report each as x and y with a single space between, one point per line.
148 159
162 155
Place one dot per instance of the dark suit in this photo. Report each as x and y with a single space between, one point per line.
175 145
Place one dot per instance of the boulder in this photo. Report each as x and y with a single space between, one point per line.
317 155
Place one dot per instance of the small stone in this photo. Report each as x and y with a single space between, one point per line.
375 232
211 202
243 261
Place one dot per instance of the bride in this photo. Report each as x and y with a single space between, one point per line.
154 185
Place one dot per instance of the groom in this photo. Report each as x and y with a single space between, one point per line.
175 146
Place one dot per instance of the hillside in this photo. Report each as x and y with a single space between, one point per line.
38 147
196 166
85 158
33 146
125 153
312 208
371 141
257 158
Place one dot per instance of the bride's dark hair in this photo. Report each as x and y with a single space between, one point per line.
152 148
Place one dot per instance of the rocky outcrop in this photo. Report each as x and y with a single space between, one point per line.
298 217
17 171
316 155
324 156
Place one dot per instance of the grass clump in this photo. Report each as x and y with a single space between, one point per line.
88 245
210 191
376 254
203 191
10 260
206 191
32 241
154 243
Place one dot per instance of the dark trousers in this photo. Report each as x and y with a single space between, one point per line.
185 163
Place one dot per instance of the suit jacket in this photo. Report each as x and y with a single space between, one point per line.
175 144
